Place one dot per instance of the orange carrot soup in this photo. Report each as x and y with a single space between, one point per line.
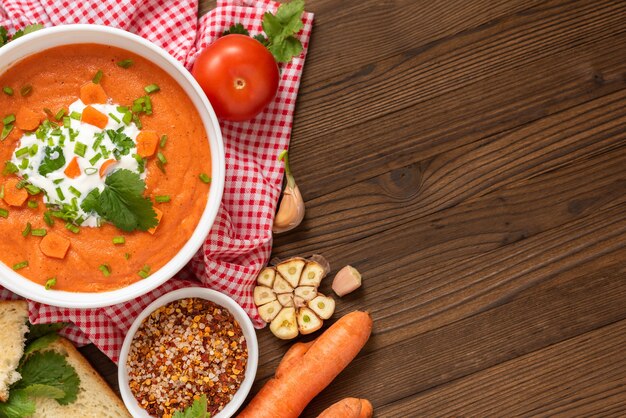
105 163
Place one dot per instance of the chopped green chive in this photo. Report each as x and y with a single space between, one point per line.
119 240
80 149
105 152
91 171
59 114
127 256
21 184
57 181
33 150
163 141
9 168
8 91
75 191
125 63
204 178
6 131
60 193
32 190
75 115
105 269
148 106
72 227
115 118
26 230
41 232
137 121
51 282
95 159
22 152
144 272
160 166
162 199
4 213
24 164
47 218
128 117
98 141
96 78
33 204
152 88
67 123
20 265
26 90
8 119
48 112
138 105
2 191
161 157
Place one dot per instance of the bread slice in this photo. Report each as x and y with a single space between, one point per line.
95 397
13 329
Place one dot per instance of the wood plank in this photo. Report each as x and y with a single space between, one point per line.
428 186
574 302
585 375
470 87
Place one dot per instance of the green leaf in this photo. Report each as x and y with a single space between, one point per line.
44 391
26 30
52 161
197 410
39 330
40 343
19 405
122 203
237 28
284 51
281 28
261 39
51 369
4 38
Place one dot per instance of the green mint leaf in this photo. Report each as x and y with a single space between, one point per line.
197 410
284 51
90 202
4 37
44 391
52 161
51 369
26 30
122 203
237 28
19 405
281 28
39 330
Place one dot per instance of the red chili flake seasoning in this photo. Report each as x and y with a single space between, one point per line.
182 350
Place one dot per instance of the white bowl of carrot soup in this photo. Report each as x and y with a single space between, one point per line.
112 166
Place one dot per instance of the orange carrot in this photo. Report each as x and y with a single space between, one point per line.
12 195
94 117
91 93
349 408
73 169
292 356
26 119
287 396
159 216
146 143
104 168
54 245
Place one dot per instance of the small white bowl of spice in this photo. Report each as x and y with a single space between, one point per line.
188 343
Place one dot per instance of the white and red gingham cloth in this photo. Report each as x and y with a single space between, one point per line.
240 242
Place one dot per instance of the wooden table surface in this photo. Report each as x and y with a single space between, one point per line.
469 157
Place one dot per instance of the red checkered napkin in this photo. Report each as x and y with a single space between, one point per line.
241 239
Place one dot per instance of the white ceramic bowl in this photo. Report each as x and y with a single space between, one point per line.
73 34
213 296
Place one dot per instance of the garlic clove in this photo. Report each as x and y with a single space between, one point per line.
291 270
269 311
284 325
266 277
323 306
307 293
299 302
291 209
263 295
347 280
286 300
312 274
308 322
281 285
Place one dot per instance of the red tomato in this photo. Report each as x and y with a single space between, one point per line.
239 76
